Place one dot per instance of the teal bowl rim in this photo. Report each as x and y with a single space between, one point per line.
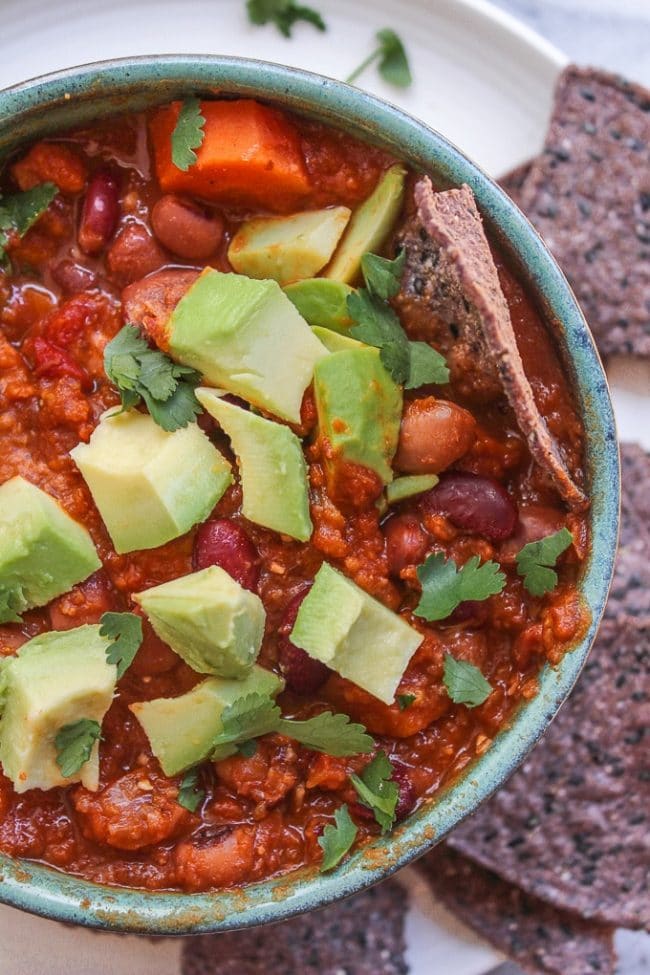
55 102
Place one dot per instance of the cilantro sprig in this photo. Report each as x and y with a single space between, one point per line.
445 586
376 789
74 744
255 715
337 839
20 211
188 134
412 364
125 630
393 61
284 14
189 797
405 701
143 373
464 682
536 560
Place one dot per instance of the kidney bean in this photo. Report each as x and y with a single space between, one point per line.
134 253
101 211
471 611
154 656
477 504
73 278
51 361
303 674
434 433
406 542
184 227
407 798
223 542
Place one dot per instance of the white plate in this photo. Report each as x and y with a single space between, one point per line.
481 77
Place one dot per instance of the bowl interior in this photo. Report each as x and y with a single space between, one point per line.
49 106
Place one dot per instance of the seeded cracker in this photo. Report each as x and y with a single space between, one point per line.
363 935
589 196
538 937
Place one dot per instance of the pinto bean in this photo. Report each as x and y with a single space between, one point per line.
151 301
216 856
134 253
406 542
100 212
434 433
185 228
535 521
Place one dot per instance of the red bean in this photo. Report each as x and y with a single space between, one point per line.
472 612
223 542
154 655
134 253
477 504
434 433
184 228
406 542
303 674
72 277
101 211
407 798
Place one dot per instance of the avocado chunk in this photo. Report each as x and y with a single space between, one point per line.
149 485
408 486
289 248
209 620
181 729
341 625
359 411
56 679
246 336
271 466
336 341
322 302
43 551
369 226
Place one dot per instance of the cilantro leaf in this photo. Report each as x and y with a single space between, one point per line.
535 561
383 276
125 629
464 682
189 797
425 366
74 744
445 586
283 13
405 701
247 717
376 789
393 60
333 734
337 840
188 134
20 211
143 373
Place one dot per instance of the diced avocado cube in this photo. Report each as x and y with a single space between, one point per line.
271 466
149 485
322 302
336 341
211 621
289 248
369 227
341 625
181 729
246 336
43 551
56 679
409 485
359 411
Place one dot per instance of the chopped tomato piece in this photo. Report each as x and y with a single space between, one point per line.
51 361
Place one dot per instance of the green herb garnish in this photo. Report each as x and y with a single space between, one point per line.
405 701
189 797
535 561
74 744
125 630
445 586
248 717
464 682
376 790
140 372
20 211
412 364
337 840
188 134
393 60
283 13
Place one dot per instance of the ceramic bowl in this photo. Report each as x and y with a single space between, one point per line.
52 104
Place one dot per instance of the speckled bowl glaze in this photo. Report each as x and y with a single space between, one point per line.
49 106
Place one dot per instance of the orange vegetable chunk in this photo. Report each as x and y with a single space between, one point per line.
250 156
